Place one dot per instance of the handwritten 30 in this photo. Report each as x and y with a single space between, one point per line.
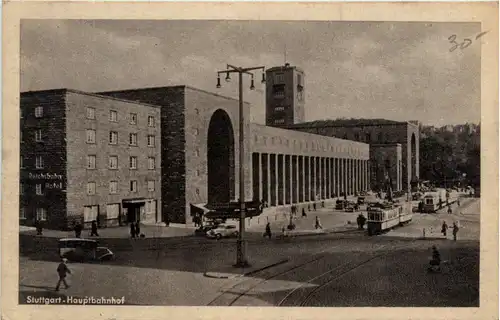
465 43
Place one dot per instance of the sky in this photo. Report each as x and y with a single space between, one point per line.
394 70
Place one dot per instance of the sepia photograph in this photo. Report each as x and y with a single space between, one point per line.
251 163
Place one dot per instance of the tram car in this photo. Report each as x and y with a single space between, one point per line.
382 219
432 202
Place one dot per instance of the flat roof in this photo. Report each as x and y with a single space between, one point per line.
173 87
345 123
65 90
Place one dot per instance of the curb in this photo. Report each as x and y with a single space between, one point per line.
220 275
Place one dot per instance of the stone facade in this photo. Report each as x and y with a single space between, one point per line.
68 119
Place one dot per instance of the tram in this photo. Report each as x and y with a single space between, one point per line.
386 217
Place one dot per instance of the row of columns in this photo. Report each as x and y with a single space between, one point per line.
280 179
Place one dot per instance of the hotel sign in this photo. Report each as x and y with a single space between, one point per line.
55 183
47 176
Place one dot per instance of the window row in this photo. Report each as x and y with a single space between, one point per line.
113 117
41 214
38 112
113 187
91 187
113 138
113 162
39 163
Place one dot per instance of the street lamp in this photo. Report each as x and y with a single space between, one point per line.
241 260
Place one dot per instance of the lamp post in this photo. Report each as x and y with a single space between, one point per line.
241 260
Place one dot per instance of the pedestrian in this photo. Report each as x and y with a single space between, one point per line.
444 228
449 209
322 204
317 224
308 207
458 202
39 227
455 231
78 230
361 220
93 229
132 230
137 229
314 206
304 213
62 271
267 233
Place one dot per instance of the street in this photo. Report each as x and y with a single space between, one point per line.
338 269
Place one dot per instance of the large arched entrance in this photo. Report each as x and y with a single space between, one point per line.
220 158
413 157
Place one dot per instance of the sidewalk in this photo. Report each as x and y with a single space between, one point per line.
331 221
118 232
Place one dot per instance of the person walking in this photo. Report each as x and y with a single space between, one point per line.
444 228
137 229
62 271
267 233
449 209
317 224
304 213
455 231
39 227
314 206
78 230
132 230
93 229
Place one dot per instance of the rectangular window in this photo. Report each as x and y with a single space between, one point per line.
133 186
279 121
21 162
39 189
113 211
41 214
151 141
151 185
151 163
299 80
279 78
151 121
113 187
113 116
113 137
39 162
133 118
279 108
21 188
22 214
90 113
91 161
113 162
90 213
38 135
39 112
133 163
90 188
90 136
133 139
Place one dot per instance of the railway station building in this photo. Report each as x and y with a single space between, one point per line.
158 151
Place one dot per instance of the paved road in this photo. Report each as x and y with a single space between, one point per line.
328 270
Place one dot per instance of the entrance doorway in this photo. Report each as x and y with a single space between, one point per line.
133 210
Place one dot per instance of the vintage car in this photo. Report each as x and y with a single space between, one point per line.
223 231
83 250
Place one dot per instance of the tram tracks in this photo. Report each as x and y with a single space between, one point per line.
230 296
297 298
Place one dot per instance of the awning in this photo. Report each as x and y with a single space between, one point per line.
135 200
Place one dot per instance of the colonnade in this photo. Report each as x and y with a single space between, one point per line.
281 179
